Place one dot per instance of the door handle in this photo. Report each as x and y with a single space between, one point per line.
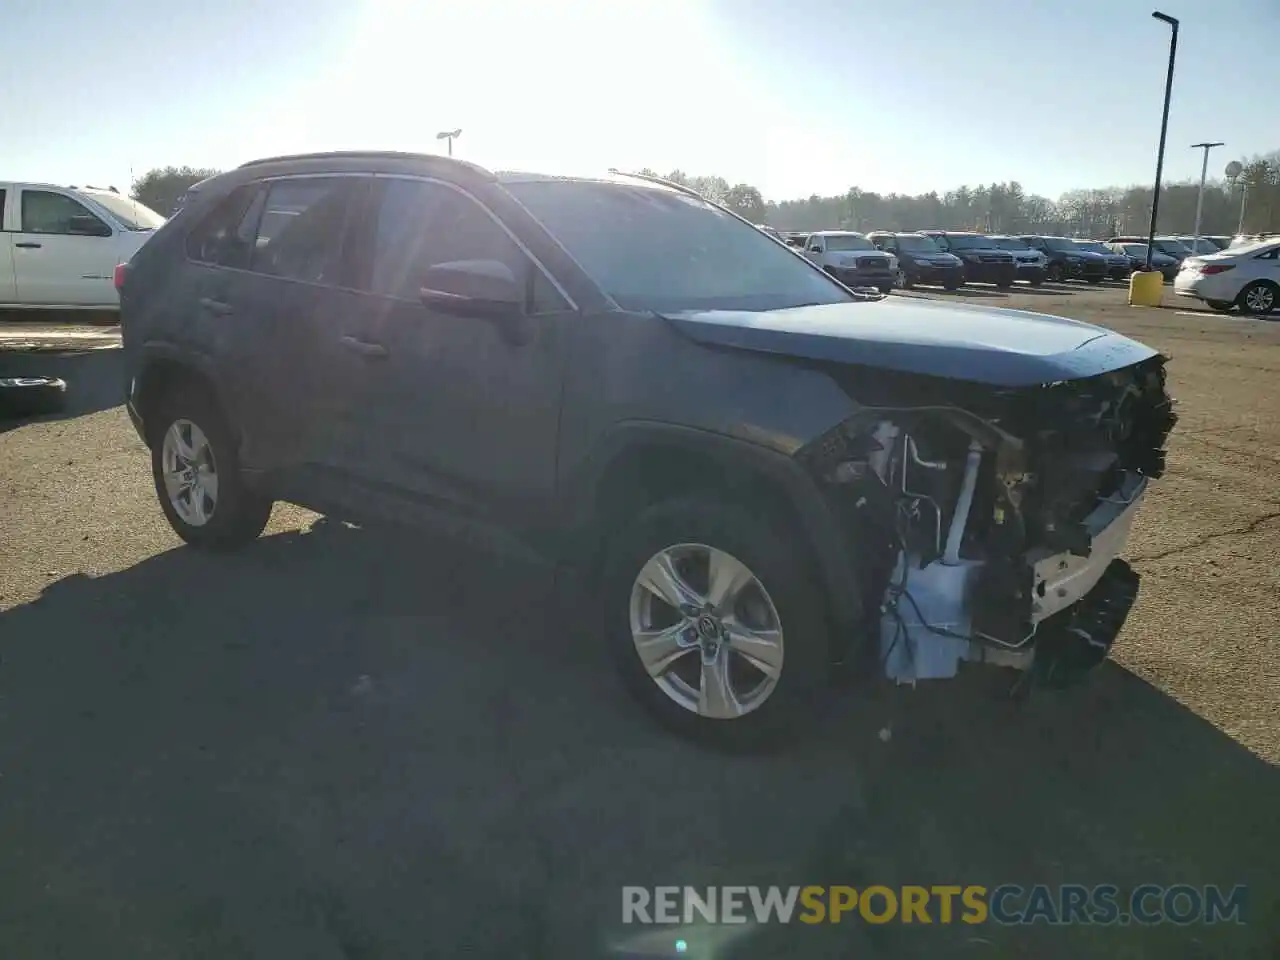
25 245
219 308
364 347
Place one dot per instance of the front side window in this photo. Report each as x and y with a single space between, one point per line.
1010 243
55 213
656 249
300 231
422 224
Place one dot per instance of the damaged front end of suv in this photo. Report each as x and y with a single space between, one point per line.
988 521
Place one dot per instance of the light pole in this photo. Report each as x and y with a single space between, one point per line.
1204 172
449 135
1233 171
1164 128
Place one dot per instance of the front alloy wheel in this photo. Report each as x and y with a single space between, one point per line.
706 631
695 593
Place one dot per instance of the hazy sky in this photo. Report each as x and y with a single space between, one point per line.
795 97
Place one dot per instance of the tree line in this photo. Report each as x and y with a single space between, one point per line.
1008 208
988 208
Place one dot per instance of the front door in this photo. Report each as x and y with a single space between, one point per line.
62 252
456 415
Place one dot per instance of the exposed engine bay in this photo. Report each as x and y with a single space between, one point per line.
988 522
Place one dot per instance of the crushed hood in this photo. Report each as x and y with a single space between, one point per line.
1008 348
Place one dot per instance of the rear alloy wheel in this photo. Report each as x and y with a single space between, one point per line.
902 281
197 477
1054 273
715 623
1258 298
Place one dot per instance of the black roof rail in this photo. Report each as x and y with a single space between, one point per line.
372 155
661 181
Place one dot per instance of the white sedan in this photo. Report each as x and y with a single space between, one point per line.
1247 277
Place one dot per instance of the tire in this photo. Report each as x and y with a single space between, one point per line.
1038 282
1004 284
1054 273
885 288
32 396
904 280
233 514
789 594
1222 306
953 285
1094 281
1258 298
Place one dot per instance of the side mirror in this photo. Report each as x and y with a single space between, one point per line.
486 289
87 226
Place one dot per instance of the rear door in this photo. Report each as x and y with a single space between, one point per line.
8 288
63 252
272 302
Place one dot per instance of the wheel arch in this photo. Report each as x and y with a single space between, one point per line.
164 369
638 464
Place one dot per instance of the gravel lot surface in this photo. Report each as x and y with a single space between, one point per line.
345 743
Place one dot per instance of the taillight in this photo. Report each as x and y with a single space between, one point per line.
1209 269
117 278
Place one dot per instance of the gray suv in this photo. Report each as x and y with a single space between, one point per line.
760 473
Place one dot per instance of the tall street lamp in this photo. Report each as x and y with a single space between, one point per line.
449 135
1233 171
1204 171
1164 128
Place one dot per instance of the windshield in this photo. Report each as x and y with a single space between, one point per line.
1061 245
131 214
1253 246
654 249
915 243
1010 243
1203 245
1170 245
968 241
842 242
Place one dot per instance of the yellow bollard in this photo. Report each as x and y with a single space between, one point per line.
1146 288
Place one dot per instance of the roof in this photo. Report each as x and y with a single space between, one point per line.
346 156
836 233
524 176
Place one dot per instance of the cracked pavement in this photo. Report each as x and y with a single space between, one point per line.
349 744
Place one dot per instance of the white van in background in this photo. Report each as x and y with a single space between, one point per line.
60 245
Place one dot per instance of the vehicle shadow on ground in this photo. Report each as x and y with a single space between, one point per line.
965 292
95 379
1045 290
346 743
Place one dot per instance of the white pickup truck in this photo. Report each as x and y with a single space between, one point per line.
59 246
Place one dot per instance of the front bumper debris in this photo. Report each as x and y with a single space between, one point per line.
1070 645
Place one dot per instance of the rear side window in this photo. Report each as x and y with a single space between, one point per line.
300 232
225 236
2 198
